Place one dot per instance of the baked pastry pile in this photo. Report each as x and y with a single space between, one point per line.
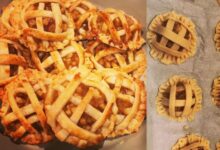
70 70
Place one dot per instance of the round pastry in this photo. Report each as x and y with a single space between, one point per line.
104 56
22 111
179 98
79 108
117 29
216 91
81 12
192 141
217 37
130 101
172 38
46 25
73 55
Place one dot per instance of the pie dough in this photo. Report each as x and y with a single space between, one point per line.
79 108
192 141
72 55
46 25
11 61
179 98
130 101
115 28
217 37
104 56
172 38
22 114
215 91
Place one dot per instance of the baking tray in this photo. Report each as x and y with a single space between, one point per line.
136 8
163 133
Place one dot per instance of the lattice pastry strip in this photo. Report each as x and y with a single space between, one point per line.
215 91
104 56
22 107
71 56
192 141
172 38
46 25
179 98
82 115
130 101
11 61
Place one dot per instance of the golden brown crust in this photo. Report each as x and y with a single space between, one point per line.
215 92
172 38
217 36
179 98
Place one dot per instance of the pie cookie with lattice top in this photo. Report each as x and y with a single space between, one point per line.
172 38
216 92
130 101
81 12
79 108
22 110
73 55
105 56
117 29
179 98
11 61
192 141
46 25
217 37
218 146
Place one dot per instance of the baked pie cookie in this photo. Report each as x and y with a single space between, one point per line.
81 12
192 141
73 55
217 36
11 61
46 25
179 98
218 146
130 101
216 91
104 56
117 29
172 38
79 108
22 110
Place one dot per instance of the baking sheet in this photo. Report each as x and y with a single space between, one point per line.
163 133
137 8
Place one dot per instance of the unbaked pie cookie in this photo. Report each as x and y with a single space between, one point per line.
172 38
179 98
22 110
192 141
216 91
79 108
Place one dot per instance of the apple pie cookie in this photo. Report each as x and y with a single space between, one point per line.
179 98
73 55
46 25
130 101
22 111
217 36
79 108
218 146
172 38
104 56
192 141
216 91
115 28
11 61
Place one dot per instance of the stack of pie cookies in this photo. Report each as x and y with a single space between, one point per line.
70 71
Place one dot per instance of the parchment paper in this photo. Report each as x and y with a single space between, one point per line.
204 67
136 8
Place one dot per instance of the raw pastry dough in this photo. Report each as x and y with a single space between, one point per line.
179 98
172 38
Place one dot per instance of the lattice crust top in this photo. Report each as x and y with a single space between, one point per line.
104 56
81 12
11 61
46 25
115 28
79 108
192 141
179 98
130 101
216 91
22 114
72 55
172 38
217 37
